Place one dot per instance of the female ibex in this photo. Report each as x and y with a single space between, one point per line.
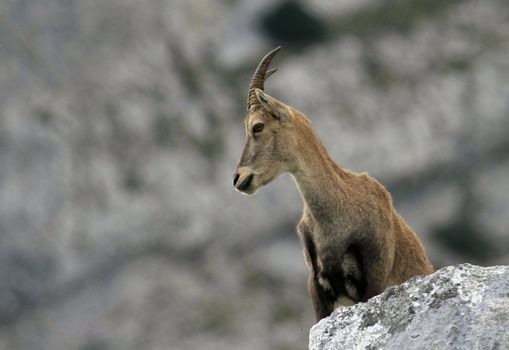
355 243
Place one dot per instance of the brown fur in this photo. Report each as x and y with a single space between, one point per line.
355 243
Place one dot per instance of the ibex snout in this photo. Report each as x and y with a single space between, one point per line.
243 181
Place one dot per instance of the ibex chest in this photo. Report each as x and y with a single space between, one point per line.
326 235
331 260
323 243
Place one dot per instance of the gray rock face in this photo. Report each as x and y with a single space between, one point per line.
458 307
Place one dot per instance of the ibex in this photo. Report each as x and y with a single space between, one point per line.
355 243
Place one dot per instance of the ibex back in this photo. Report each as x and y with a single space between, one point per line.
355 243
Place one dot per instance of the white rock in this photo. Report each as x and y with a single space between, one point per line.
458 307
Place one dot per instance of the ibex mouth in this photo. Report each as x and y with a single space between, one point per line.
245 183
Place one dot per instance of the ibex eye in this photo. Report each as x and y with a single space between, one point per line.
258 127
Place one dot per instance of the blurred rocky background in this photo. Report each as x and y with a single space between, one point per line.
121 122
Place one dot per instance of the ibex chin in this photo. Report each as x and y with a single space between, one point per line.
355 243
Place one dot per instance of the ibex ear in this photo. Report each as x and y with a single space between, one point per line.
276 108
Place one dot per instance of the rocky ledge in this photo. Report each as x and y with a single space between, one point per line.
458 307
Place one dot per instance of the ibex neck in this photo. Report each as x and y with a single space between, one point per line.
320 181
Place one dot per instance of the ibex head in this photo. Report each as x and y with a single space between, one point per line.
269 143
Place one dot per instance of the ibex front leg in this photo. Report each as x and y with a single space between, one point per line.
322 301
331 285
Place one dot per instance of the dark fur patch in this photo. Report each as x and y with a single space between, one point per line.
357 278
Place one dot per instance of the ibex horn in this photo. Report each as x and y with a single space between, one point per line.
259 77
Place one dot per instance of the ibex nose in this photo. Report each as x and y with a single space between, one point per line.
235 179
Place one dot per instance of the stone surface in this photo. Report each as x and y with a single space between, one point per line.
458 307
